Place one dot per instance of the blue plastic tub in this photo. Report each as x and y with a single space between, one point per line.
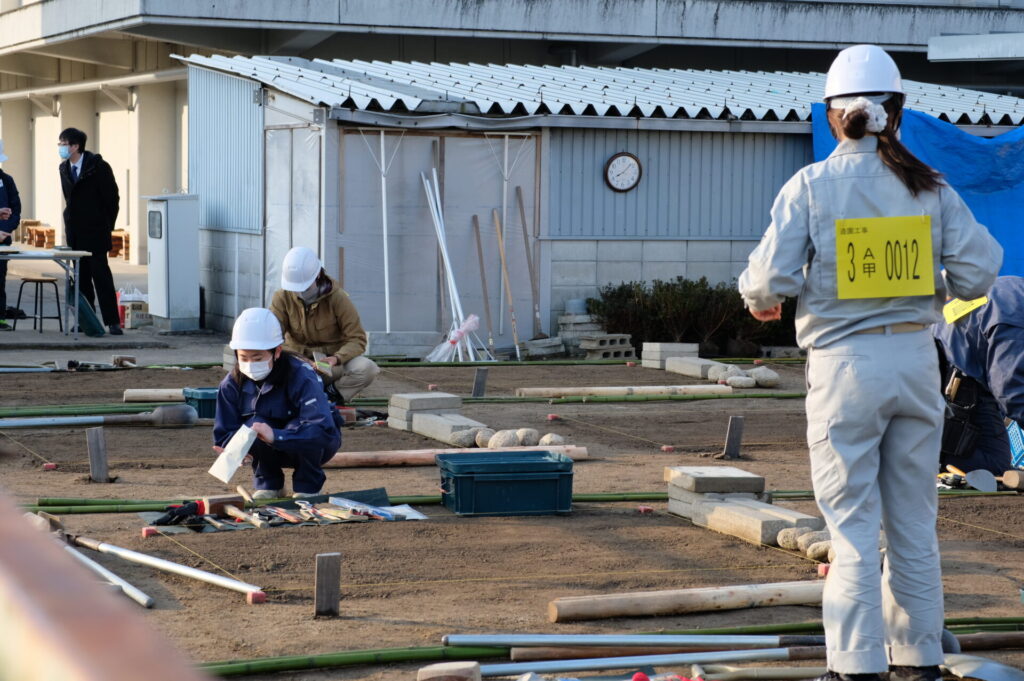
506 483
203 399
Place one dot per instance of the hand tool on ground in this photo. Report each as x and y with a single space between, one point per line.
218 524
974 667
312 510
986 482
339 513
230 505
980 479
167 416
283 514
504 278
951 480
366 509
169 566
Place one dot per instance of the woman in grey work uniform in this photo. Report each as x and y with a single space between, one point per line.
861 239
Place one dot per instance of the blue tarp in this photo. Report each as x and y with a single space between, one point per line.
987 173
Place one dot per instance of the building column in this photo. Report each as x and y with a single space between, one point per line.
157 156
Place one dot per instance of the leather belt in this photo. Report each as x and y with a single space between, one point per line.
902 327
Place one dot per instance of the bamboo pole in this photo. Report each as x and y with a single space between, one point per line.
348 659
681 601
154 395
617 391
427 457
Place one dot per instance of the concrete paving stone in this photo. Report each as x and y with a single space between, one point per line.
441 426
406 415
677 492
399 424
575 319
683 509
671 347
794 518
739 521
662 356
714 479
421 401
694 367
652 363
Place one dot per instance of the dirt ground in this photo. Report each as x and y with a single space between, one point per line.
408 584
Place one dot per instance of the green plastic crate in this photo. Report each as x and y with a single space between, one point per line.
506 483
203 399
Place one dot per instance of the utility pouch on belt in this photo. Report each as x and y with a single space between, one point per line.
959 435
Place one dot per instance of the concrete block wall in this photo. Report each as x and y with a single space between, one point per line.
227 293
578 268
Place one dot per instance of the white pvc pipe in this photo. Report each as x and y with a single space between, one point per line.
167 566
129 590
617 640
384 225
518 668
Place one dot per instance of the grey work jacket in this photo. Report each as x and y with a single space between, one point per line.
797 254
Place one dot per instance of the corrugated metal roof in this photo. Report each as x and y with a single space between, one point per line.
510 90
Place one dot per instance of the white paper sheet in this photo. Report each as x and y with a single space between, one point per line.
231 458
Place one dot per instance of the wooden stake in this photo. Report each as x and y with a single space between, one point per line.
483 285
733 439
153 395
480 381
681 601
534 286
328 584
504 278
97 443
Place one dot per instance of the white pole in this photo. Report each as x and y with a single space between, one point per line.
451 273
384 224
129 590
433 198
504 221
166 565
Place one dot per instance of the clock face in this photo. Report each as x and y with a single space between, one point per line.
623 171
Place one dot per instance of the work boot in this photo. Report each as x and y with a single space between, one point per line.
836 676
305 495
932 673
269 494
115 330
4 326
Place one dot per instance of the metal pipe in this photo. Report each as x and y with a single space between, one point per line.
628 640
167 566
96 84
25 370
129 590
517 668
384 227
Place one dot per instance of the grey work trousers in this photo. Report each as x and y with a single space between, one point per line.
874 423
354 375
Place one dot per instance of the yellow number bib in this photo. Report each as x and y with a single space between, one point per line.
884 257
956 308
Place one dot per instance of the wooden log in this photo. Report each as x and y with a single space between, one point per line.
681 601
426 457
59 623
154 395
587 652
616 391
328 584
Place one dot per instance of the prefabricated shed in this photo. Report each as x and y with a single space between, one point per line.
602 175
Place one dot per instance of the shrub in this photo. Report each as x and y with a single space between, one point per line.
686 311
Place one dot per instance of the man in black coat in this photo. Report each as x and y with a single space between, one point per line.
10 217
91 206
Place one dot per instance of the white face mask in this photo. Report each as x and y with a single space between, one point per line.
257 371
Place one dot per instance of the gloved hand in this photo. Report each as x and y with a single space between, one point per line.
176 514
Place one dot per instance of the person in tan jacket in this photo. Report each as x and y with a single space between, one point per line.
318 317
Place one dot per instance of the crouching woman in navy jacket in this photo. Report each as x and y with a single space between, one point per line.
281 398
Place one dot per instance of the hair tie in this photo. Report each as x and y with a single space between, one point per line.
871 105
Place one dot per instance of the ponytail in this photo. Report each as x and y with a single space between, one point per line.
915 175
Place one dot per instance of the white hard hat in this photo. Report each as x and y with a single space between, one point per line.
256 329
862 68
300 269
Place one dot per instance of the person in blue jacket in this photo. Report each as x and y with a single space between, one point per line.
983 344
281 398
10 217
